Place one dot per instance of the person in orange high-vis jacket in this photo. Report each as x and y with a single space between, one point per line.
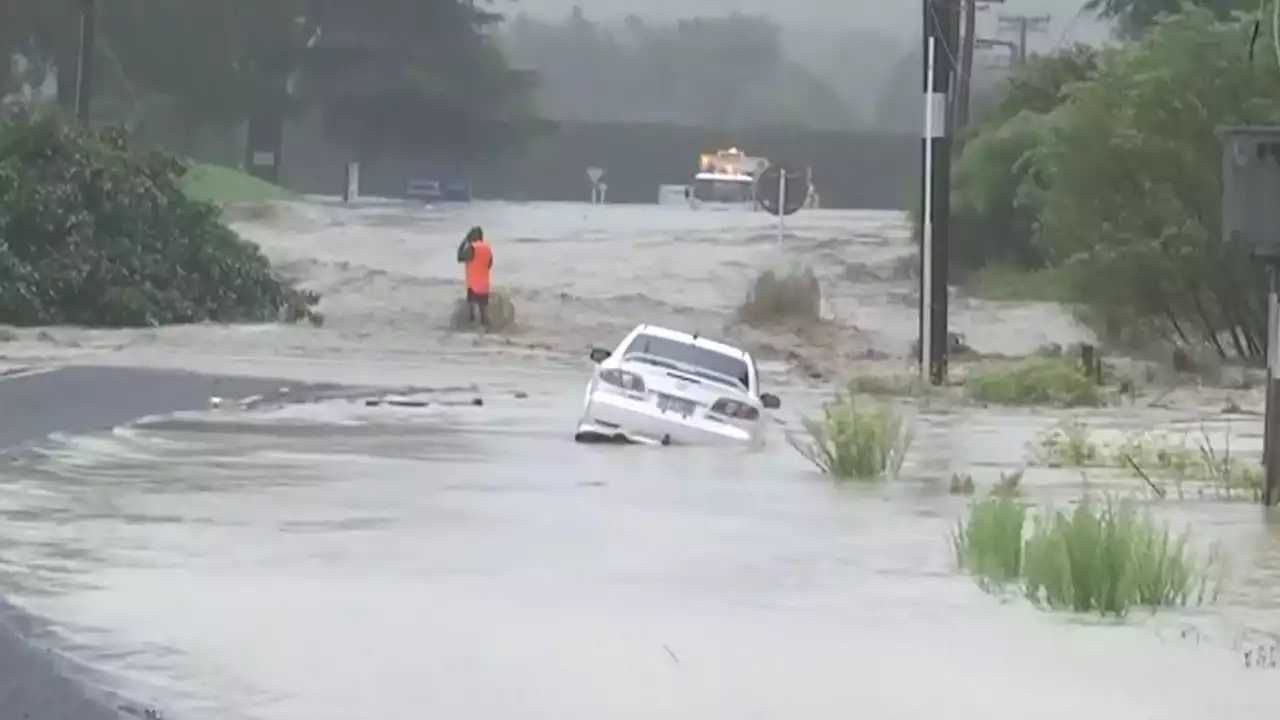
477 256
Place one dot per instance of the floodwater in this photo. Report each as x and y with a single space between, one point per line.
335 560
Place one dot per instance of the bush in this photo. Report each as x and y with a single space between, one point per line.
1038 381
989 544
779 297
855 438
502 314
1110 558
1105 558
94 234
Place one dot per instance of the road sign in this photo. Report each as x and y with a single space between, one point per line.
794 193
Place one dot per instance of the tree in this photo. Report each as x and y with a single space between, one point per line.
994 205
1135 16
423 76
1131 193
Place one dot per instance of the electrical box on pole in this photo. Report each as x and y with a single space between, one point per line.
1251 219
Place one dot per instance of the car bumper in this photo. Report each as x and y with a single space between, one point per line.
611 417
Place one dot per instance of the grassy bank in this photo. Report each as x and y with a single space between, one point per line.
1011 284
225 186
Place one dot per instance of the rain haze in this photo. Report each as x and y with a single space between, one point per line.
375 360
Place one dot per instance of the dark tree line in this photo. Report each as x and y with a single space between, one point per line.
383 74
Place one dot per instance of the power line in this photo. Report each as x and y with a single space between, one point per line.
1024 25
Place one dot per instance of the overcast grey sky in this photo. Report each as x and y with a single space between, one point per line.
900 18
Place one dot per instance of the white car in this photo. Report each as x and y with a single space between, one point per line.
665 386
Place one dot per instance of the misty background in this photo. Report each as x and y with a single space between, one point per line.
820 64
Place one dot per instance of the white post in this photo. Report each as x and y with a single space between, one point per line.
926 222
353 182
782 199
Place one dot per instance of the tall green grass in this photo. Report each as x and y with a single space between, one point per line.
1103 557
1036 381
855 438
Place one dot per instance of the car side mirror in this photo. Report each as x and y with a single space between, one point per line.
599 355
770 401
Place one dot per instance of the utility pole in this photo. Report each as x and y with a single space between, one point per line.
84 76
1251 221
1024 24
941 43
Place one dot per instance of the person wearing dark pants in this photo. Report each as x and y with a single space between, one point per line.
476 255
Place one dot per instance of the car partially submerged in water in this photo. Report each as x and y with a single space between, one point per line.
665 386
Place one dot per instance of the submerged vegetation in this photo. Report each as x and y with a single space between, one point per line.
855 438
1036 381
1104 557
782 296
1169 464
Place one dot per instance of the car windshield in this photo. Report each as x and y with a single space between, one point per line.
718 365
723 191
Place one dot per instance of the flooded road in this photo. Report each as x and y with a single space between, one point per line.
331 559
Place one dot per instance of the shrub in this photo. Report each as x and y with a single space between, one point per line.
502 314
1105 558
1108 558
989 544
1036 381
777 297
94 234
855 438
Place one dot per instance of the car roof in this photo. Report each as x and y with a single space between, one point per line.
691 339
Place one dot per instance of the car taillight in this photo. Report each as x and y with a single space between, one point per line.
735 409
623 379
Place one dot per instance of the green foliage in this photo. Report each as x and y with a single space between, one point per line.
1104 558
1036 381
855 438
988 544
726 72
995 208
1132 188
1105 167
1169 464
405 75
425 77
222 186
1108 558
94 234
1136 16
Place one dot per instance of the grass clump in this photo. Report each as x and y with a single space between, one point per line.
1036 381
989 543
778 297
1108 558
1169 463
502 314
855 438
1069 444
1104 558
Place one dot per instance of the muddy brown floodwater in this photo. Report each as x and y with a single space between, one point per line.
331 559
